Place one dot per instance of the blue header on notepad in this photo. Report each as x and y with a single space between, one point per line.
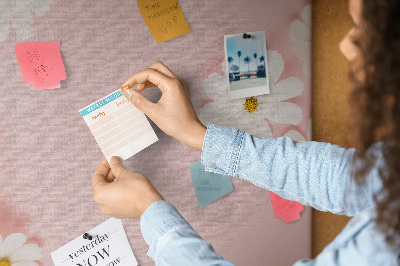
100 103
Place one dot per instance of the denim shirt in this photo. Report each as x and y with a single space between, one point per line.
312 173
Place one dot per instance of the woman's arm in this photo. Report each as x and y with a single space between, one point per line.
315 174
172 241
124 194
312 173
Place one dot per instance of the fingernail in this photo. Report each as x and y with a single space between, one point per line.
125 88
115 160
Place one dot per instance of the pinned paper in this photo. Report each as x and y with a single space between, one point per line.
284 209
118 126
209 186
41 63
108 246
164 19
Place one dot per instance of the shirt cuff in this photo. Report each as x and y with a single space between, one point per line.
156 221
222 147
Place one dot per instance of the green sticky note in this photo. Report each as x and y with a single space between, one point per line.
209 186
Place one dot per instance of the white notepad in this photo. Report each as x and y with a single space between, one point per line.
119 128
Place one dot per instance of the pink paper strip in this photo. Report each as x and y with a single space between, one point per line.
286 210
41 63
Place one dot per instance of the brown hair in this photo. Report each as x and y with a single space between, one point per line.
376 101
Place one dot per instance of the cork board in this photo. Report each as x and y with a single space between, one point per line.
331 89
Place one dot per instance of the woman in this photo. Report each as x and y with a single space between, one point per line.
316 174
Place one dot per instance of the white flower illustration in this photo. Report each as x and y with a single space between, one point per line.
19 13
13 252
295 135
300 33
270 106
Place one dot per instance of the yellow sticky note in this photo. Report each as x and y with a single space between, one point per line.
164 18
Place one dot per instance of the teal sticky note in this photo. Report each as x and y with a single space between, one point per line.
209 186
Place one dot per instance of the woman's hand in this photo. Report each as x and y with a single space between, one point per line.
127 197
173 113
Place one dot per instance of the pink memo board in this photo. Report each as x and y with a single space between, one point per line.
48 154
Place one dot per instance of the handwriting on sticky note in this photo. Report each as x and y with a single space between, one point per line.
41 63
209 186
108 246
118 126
164 19
284 209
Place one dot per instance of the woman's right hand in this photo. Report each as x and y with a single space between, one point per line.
173 113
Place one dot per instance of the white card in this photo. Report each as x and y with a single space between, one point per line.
119 128
108 247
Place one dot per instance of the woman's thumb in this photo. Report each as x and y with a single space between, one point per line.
116 166
138 100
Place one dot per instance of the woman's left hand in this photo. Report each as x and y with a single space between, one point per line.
127 197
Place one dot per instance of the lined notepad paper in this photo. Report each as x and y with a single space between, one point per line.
119 128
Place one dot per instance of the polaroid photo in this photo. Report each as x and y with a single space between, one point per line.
246 64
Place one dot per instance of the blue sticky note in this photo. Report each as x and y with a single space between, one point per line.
209 186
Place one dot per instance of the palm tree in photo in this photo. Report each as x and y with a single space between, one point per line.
262 59
247 60
230 59
239 54
234 68
255 58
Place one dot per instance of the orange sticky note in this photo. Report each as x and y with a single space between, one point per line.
284 209
41 63
164 18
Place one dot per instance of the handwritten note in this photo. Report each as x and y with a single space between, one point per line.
41 63
118 126
164 18
209 186
287 210
109 246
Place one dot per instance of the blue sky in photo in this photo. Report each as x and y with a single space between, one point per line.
248 47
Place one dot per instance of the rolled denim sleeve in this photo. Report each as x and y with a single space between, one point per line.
172 241
313 173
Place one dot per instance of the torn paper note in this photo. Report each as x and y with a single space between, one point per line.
118 126
164 19
284 209
108 246
41 63
209 186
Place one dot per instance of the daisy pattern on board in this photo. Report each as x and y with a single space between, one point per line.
13 252
232 113
300 33
18 12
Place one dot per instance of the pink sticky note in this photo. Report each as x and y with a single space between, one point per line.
286 210
41 63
